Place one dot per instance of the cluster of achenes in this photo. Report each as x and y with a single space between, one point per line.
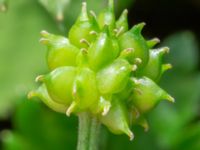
105 69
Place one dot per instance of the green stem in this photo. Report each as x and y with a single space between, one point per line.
94 134
88 132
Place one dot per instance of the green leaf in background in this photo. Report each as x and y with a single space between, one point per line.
3 5
37 127
169 122
21 55
56 7
66 11
184 51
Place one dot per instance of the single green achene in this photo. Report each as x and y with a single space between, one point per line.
103 73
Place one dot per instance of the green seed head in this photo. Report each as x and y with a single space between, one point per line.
105 69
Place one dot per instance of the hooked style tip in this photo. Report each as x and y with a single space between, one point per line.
44 41
84 41
164 50
44 33
93 32
70 109
84 51
138 60
39 78
134 67
106 109
125 12
31 94
151 43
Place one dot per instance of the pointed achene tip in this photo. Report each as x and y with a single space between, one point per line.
130 134
170 98
125 12
39 78
138 27
84 8
106 29
166 67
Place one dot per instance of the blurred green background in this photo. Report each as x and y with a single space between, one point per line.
26 124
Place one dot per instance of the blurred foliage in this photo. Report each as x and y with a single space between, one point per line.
37 127
172 127
3 5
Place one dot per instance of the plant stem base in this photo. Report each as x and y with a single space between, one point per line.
88 132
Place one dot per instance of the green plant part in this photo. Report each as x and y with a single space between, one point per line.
85 92
122 23
103 51
107 17
3 5
105 73
59 84
117 119
154 68
42 93
83 31
133 39
147 94
113 78
60 51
